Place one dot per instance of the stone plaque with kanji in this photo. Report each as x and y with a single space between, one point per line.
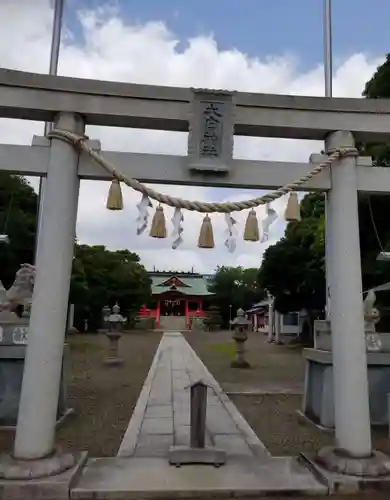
211 129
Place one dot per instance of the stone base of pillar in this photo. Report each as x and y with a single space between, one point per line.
57 463
345 474
336 460
51 477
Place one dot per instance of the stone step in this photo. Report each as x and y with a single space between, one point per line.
154 478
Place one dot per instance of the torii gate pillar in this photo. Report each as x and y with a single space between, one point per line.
35 431
352 415
353 452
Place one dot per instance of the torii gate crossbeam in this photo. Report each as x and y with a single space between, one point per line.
172 169
40 97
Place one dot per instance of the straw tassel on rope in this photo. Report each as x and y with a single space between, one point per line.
159 228
79 142
115 198
251 231
293 212
206 235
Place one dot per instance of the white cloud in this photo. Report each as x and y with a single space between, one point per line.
148 53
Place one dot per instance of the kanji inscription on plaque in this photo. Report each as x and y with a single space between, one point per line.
210 142
212 130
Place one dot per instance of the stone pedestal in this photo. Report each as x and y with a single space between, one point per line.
13 341
113 358
240 360
375 342
318 400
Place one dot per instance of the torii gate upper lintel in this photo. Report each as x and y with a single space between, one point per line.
75 103
40 97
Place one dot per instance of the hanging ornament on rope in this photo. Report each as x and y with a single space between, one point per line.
158 228
206 235
251 231
115 198
177 221
143 214
293 211
230 242
271 217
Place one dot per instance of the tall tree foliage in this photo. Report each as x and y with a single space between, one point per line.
18 211
99 276
373 209
234 288
293 270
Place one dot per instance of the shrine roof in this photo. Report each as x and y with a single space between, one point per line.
186 285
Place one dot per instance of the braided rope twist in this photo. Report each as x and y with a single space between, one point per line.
79 142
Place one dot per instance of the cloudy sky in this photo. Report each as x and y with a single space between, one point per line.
248 45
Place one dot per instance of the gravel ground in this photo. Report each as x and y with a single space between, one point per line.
103 397
274 368
276 383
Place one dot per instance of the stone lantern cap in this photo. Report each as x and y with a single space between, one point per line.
115 316
240 319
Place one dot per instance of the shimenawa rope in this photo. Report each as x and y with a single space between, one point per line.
79 142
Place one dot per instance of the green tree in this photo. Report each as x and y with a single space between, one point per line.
373 209
78 293
293 270
102 277
18 211
234 287
99 276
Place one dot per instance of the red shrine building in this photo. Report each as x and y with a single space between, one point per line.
176 294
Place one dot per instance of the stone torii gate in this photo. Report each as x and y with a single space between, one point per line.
74 103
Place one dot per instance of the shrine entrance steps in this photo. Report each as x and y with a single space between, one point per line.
161 419
172 323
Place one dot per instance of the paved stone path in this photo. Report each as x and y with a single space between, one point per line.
161 419
162 416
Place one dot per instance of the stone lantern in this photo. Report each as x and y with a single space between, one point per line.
240 324
115 326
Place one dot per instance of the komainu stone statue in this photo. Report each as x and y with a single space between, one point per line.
371 318
21 291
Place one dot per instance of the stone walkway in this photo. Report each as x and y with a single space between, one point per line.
161 419
162 415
